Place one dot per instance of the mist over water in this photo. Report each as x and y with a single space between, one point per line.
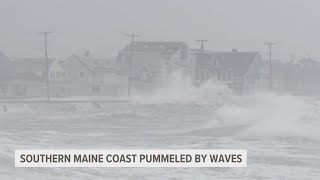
280 132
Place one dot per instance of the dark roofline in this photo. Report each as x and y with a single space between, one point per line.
127 48
82 63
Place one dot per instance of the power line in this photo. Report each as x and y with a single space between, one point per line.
132 36
270 44
45 34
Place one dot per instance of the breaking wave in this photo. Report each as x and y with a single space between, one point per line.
180 89
263 114
179 115
270 115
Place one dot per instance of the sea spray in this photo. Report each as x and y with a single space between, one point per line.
180 89
269 115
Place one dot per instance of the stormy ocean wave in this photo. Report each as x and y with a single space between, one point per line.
280 132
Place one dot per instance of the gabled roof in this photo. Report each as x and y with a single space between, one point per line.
308 61
4 58
90 65
239 62
153 47
198 51
24 76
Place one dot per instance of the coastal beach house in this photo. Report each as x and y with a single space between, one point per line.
281 74
84 76
5 75
305 76
151 63
241 71
27 77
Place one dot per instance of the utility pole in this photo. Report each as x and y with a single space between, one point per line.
270 62
292 58
202 41
202 44
292 81
45 34
132 36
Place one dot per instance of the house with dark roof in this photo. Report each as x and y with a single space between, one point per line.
241 71
151 63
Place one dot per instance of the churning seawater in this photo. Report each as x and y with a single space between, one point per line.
280 132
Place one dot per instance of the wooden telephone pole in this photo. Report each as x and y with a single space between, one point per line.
202 41
270 44
45 34
132 36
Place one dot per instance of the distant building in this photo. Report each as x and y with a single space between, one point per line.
152 62
305 76
84 76
27 77
6 71
75 76
281 72
241 71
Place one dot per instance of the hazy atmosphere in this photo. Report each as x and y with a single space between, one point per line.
98 25
232 84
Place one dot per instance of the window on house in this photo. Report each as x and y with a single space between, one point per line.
52 75
58 75
123 59
96 89
44 74
63 76
82 75
229 76
224 76
219 76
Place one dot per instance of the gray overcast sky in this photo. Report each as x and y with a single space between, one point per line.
98 25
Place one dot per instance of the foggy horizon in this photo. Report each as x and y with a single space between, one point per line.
99 26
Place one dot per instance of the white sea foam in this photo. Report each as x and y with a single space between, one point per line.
180 89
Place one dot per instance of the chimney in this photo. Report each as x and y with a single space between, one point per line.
234 50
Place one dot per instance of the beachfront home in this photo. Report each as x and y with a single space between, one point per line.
5 74
305 76
151 63
27 78
241 71
84 76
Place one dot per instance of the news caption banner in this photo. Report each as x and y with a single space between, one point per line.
131 158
